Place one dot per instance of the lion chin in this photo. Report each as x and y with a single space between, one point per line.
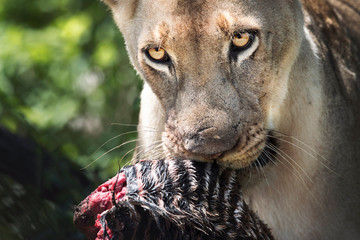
243 156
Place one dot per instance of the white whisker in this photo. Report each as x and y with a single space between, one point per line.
112 149
111 139
262 170
305 151
303 143
145 150
290 160
136 125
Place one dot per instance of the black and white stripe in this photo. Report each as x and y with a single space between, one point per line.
183 199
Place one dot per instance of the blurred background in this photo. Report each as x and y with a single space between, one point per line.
68 98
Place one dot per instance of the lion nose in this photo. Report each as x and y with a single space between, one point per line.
209 141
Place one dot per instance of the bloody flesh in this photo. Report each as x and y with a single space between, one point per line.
170 199
88 212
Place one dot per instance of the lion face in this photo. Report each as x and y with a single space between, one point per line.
218 68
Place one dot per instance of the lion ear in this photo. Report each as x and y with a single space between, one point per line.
122 10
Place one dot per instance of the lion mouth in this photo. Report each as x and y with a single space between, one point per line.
256 147
254 150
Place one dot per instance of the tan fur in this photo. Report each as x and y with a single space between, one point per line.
299 80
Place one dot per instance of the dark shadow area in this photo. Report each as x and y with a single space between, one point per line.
37 191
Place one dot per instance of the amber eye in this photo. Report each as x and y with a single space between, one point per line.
158 54
242 40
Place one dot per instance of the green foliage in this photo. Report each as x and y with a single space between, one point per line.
64 75
64 79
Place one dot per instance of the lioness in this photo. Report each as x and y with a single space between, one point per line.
272 86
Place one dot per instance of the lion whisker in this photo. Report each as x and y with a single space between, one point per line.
290 161
145 150
137 147
262 171
111 139
112 149
305 151
136 125
304 144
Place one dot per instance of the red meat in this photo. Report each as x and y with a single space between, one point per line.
88 212
170 199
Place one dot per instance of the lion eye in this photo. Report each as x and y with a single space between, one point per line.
242 40
157 54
